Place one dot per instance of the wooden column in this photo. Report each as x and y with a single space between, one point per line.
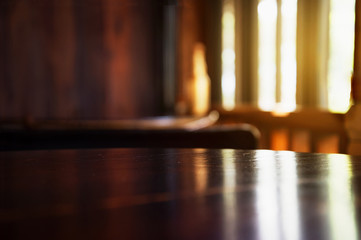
353 116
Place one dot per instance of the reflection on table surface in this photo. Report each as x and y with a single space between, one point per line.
179 193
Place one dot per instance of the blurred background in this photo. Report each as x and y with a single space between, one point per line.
283 66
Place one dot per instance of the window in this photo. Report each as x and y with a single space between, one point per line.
279 54
228 55
340 64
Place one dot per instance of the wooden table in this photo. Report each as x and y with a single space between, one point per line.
179 194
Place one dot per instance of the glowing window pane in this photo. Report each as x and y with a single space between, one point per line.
267 23
342 25
228 56
288 55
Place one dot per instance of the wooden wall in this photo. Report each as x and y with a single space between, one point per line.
80 59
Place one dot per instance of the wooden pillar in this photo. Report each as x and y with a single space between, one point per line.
353 116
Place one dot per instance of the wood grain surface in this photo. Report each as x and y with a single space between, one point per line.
179 194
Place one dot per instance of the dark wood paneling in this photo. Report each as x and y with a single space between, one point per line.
80 59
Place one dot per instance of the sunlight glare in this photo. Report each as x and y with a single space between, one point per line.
288 55
228 56
342 205
267 23
340 66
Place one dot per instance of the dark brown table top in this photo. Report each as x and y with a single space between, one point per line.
179 194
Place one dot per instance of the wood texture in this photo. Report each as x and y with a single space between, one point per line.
179 194
80 59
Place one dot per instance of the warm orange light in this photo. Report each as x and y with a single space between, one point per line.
201 81
200 171
279 139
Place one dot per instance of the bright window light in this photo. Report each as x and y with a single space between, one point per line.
341 48
267 25
288 55
273 37
228 56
